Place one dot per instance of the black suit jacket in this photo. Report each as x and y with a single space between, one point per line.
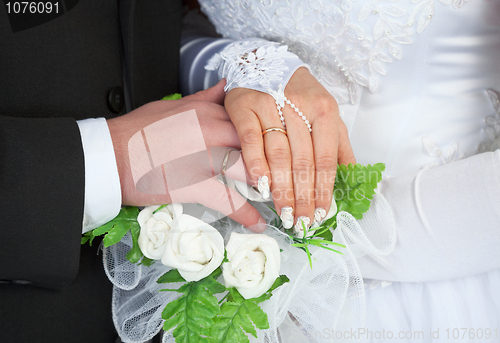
50 76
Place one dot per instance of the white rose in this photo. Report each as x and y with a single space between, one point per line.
195 248
155 228
254 263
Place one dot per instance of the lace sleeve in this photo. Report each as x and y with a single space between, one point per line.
250 63
256 64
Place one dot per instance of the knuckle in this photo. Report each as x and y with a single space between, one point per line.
325 107
303 202
280 157
251 137
303 164
325 103
326 163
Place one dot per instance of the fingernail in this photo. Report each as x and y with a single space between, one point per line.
263 185
319 214
287 217
299 227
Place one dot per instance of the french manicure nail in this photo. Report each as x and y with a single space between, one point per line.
263 185
319 214
299 227
287 217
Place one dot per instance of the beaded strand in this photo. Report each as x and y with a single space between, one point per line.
296 109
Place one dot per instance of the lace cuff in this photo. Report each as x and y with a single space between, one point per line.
256 64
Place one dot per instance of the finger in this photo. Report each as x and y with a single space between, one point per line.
234 167
345 153
213 94
279 158
229 163
303 168
227 201
325 142
219 133
249 131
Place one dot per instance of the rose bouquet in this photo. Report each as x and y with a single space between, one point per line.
222 292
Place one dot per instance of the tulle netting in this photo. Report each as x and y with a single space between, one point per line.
330 296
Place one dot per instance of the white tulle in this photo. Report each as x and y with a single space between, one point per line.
331 295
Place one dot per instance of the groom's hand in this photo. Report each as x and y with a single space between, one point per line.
169 151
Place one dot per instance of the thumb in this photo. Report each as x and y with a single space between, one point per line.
213 94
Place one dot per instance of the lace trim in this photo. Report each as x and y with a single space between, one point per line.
256 64
432 149
492 129
320 32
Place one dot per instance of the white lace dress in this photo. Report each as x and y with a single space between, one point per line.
417 82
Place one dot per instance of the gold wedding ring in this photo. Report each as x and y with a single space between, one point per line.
274 129
224 164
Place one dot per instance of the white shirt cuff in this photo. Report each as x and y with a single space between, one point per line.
102 182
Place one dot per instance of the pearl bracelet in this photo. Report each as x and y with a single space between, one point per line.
296 109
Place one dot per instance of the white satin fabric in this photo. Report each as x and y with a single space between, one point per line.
418 84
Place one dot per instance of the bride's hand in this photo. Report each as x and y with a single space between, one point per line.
301 166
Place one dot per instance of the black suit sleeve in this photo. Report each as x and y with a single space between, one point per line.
42 186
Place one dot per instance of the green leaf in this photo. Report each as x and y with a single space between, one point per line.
342 206
380 167
116 233
327 235
309 256
215 274
276 222
135 254
84 240
324 231
118 227
147 261
239 316
115 230
172 275
272 209
323 241
191 315
258 317
366 190
175 96
214 286
280 280
355 186
357 216
159 208
358 206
